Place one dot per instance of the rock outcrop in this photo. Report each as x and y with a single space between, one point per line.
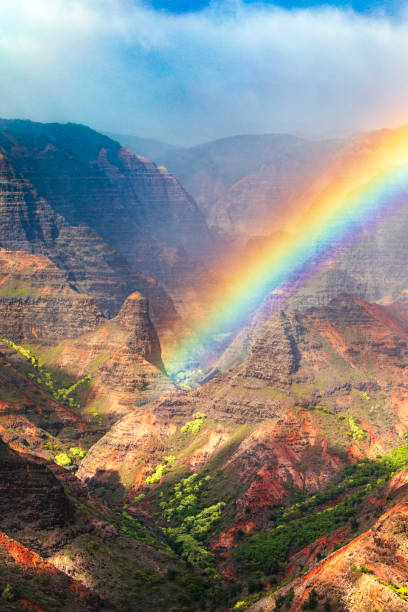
134 318
293 423
37 303
33 582
55 553
122 357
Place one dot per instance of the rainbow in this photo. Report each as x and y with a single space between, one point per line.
366 183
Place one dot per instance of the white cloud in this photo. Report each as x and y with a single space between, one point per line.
119 66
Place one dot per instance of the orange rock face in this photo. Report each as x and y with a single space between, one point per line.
77 596
37 303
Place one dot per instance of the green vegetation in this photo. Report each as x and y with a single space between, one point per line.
363 569
137 499
302 523
9 594
63 460
401 591
26 353
133 528
161 470
191 522
77 452
10 396
312 602
195 425
243 604
66 459
357 432
266 550
61 393
365 396
121 519
96 363
17 289
321 409
177 589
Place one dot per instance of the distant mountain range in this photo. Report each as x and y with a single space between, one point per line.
242 181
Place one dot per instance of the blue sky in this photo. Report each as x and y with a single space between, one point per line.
190 76
362 6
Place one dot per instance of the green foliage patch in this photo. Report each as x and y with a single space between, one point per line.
285 601
63 394
321 409
9 593
401 591
357 432
161 470
63 460
195 425
190 521
300 524
77 452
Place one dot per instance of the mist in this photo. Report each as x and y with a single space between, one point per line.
185 78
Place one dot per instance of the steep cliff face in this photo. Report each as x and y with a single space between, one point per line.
110 365
259 473
313 356
296 346
28 223
134 318
58 544
138 208
38 305
370 261
31 583
245 183
31 420
31 496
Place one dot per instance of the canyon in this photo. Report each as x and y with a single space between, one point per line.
277 483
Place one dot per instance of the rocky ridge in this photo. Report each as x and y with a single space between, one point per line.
108 195
325 394
123 359
298 446
64 367
55 540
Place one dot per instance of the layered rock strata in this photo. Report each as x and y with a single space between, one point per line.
109 196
